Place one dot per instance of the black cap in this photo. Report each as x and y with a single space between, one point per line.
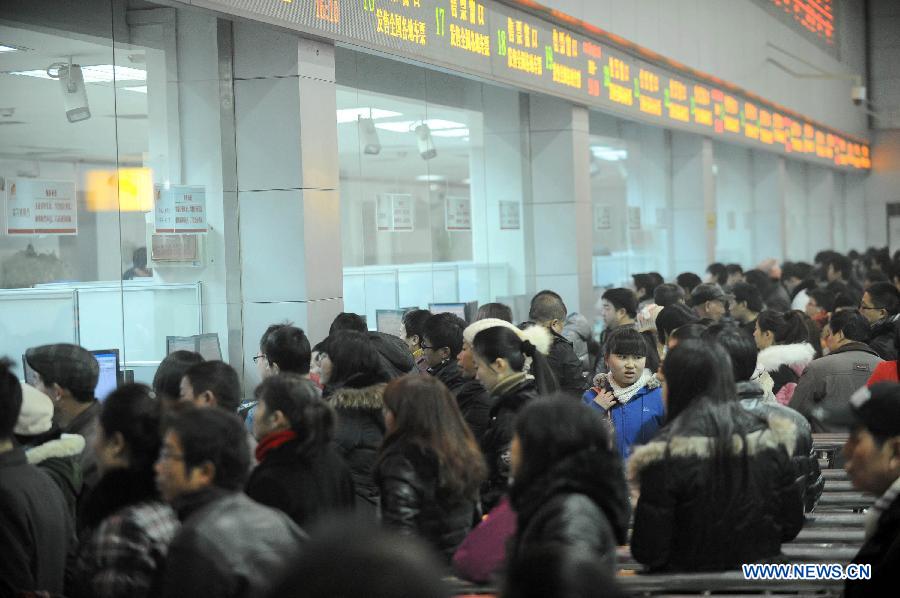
876 408
707 292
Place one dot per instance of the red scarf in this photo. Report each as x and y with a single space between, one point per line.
273 441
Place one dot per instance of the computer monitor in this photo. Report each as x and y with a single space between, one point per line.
108 360
390 321
28 372
206 345
457 309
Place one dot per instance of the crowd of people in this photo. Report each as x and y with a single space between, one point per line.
521 454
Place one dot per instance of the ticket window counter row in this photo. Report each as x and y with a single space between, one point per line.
134 317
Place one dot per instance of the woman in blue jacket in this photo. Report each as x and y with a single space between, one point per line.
630 395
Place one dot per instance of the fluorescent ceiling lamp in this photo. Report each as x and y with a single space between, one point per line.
451 133
351 115
435 125
138 88
97 73
431 178
8 48
610 154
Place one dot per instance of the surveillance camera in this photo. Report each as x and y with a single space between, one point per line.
425 142
74 93
369 136
858 94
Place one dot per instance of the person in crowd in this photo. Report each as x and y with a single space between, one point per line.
128 526
300 471
578 331
813 334
549 311
709 302
443 341
396 360
644 287
549 572
429 468
887 371
348 321
68 374
873 277
819 305
688 281
138 267
228 545
745 305
833 378
481 556
753 397
716 273
283 348
512 365
618 308
212 384
846 300
784 350
413 321
569 490
715 473
36 528
354 380
55 453
167 380
629 395
350 558
839 268
500 311
774 295
872 454
666 294
670 319
797 279
881 307
735 275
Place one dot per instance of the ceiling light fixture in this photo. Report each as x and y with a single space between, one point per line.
97 73
351 115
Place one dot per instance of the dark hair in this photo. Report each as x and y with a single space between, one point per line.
734 269
426 415
355 361
823 256
139 257
876 276
217 437
672 317
288 348
814 333
622 299
220 379
296 397
656 277
414 321
719 272
546 306
668 294
167 380
347 321
846 300
840 263
694 369
646 282
500 311
496 342
748 293
885 296
800 270
788 328
626 341
853 324
445 330
689 332
687 281
740 348
760 280
10 399
135 412
350 557
824 298
265 335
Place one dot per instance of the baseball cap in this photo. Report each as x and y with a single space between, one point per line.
707 292
72 367
876 408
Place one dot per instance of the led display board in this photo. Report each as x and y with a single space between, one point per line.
502 42
815 19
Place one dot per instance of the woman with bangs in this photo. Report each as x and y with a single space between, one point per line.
630 395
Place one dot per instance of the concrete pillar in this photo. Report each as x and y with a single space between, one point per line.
694 203
767 223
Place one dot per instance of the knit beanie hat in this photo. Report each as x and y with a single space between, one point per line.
36 416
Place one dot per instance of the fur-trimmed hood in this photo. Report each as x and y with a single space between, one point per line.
796 356
67 445
367 398
601 380
779 432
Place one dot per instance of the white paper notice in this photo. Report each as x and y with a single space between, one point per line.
510 216
41 207
459 213
180 209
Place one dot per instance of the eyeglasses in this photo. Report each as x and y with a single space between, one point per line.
869 307
166 455
256 358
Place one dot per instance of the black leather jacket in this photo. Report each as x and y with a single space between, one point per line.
229 546
413 502
882 340
473 399
882 551
566 366
752 398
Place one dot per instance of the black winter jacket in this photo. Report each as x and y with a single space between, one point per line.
882 551
680 525
753 399
473 399
883 338
358 436
305 486
566 366
579 509
413 502
228 546
509 397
